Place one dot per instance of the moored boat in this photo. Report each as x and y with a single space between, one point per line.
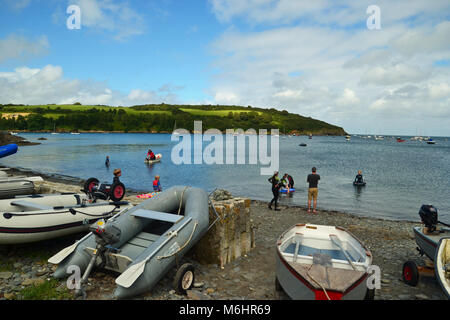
32 218
316 262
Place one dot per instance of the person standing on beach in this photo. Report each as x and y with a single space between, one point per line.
117 173
313 180
276 185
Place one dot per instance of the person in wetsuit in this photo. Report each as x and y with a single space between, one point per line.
107 161
276 185
359 177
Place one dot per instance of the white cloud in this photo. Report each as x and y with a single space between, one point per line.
112 16
19 47
47 85
342 71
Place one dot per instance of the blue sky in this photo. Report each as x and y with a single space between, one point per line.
314 58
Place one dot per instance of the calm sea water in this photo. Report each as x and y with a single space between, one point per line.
400 176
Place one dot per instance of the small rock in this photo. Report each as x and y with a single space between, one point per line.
210 290
194 295
385 281
422 296
9 295
404 297
6 275
172 292
199 284
17 265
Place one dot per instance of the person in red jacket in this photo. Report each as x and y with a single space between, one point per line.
157 184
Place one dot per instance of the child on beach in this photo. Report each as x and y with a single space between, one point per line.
117 173
157 184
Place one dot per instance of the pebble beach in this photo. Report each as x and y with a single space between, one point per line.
25 273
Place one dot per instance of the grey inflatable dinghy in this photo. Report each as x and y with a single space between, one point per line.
144 242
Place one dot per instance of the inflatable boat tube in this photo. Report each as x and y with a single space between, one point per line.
285 190
8 150
153 235
157 159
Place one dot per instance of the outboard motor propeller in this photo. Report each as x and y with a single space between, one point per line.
429 216
106 234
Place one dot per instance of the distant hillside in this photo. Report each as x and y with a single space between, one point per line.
156 118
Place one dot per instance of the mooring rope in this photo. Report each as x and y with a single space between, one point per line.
183 246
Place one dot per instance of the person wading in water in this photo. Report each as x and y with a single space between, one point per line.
276 185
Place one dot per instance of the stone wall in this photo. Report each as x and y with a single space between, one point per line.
231 237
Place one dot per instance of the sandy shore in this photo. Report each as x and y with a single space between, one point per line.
250 277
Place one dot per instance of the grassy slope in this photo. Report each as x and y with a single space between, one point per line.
280 119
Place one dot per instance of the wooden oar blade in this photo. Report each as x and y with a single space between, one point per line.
129 276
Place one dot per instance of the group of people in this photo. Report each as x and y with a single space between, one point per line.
285 182
313 190
118 172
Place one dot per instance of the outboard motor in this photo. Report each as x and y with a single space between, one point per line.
106 234
429 216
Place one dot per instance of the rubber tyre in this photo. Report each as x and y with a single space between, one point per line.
117 191
184 278
410 273
90 183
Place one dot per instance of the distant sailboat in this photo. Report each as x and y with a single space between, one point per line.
54 129
175 128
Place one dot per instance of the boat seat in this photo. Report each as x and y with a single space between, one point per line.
32 205
156 215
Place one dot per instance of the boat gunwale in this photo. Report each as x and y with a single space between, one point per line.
280 255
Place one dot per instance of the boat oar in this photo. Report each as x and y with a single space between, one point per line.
61 255
335 239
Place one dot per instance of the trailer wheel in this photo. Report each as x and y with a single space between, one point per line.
184 278
410 273
117 191
90 184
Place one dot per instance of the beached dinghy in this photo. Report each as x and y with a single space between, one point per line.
10 188
33 218
442 265
143 243
428 236
317 262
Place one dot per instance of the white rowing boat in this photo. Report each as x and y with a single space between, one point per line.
442 265
317 262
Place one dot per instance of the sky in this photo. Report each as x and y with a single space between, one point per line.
371 67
